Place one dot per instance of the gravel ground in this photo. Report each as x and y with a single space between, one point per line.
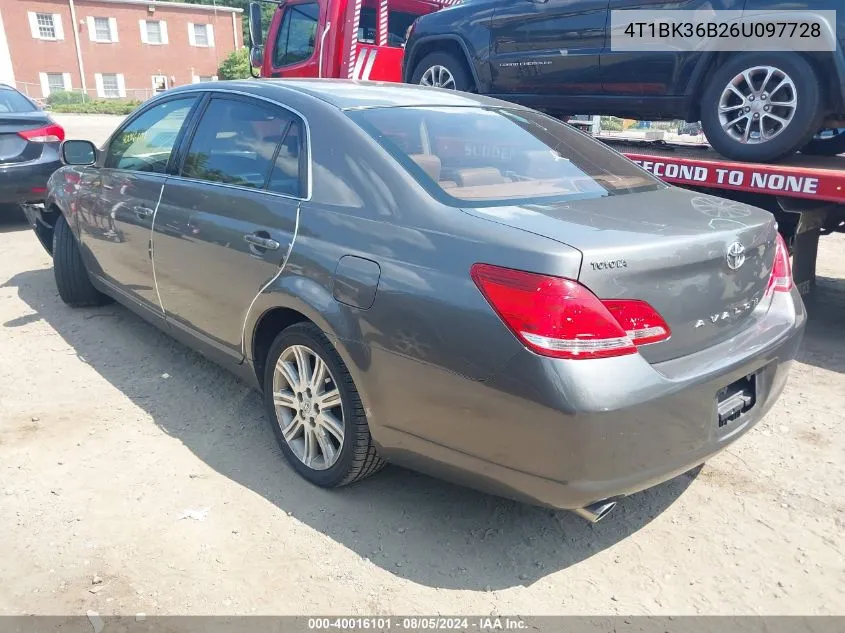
137 477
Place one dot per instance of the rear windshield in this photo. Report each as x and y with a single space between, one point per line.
476 156
13 101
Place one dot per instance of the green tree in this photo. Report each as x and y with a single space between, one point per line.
235 66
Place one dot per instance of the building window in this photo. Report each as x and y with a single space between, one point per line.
110 85
56 82
111 88
153 32
160 83
102 32
200 35
102 29
46 26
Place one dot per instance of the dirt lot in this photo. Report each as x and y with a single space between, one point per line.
124 455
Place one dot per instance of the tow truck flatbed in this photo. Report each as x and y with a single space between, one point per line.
810 177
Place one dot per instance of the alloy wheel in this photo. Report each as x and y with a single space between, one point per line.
438 77
308 407
758 104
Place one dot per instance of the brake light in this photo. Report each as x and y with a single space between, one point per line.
52 133
781 279
559 317
641 322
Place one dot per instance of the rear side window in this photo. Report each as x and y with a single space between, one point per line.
245 144
475 156
398 23
146 142
289 168
13 101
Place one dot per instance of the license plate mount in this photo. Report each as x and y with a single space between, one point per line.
737 399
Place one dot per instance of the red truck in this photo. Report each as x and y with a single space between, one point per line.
364 40
348 39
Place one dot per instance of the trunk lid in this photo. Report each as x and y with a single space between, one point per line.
13 147
668 247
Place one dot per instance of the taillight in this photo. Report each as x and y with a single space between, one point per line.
781 279
561 318
639 320
52 133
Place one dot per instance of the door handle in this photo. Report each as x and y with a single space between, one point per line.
259 241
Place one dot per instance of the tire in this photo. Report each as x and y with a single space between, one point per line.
72 280
355 457
806 115
826 146
427 71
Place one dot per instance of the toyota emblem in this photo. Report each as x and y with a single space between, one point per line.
735 256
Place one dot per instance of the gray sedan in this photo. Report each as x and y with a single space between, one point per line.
436 279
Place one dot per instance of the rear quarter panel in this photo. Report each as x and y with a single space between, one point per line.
428 321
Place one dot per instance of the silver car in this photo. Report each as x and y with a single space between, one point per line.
436 279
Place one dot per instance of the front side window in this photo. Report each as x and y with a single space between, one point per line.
236 144
477 156
46 26
297 34
145 144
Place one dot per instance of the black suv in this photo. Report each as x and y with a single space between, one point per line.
554 55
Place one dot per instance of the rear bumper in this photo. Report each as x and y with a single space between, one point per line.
566 434
26 182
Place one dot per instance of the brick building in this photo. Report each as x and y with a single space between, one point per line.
113 48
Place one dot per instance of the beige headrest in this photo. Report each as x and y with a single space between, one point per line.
476 176
429 163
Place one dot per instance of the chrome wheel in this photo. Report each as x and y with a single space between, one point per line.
308 407
758 104
438 77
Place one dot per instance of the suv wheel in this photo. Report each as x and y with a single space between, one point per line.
761 106
316 411
826 143
442 70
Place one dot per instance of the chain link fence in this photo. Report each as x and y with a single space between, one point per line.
35 91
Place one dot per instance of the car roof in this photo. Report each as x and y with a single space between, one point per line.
349 94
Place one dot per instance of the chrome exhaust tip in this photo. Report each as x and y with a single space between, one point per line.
595 512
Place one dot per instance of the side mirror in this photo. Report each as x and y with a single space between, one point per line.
256 56
256 35
79 153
